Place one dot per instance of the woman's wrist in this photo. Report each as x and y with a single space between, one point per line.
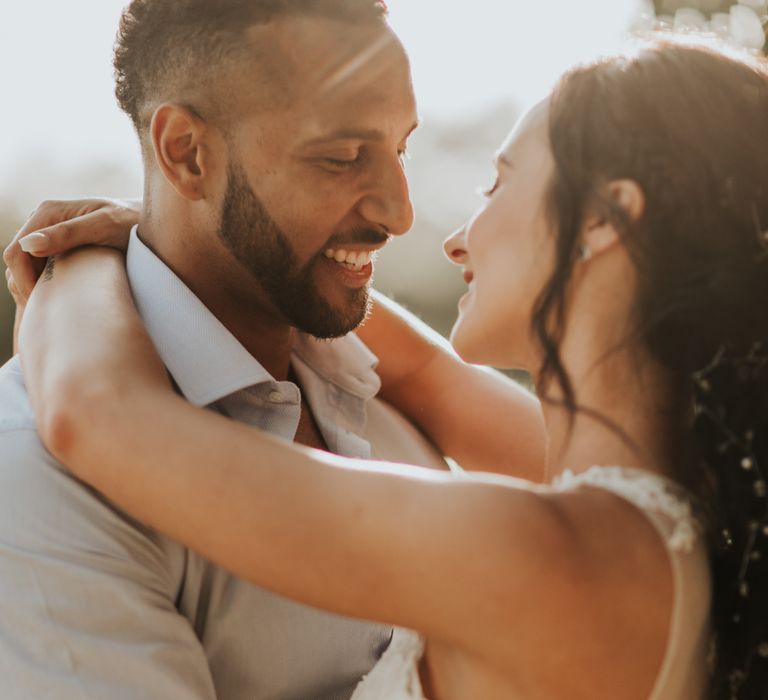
404 344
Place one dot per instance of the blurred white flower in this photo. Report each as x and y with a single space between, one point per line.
645 20
720 24
665 22
746 27
688 19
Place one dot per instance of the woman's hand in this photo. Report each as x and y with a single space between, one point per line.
57 226
480 418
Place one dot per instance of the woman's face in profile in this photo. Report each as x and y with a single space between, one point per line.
506 251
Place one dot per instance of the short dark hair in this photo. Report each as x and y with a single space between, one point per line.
163 44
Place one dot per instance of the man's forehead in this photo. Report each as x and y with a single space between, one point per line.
315 58
324 80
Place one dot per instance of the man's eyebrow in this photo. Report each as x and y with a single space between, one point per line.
354 134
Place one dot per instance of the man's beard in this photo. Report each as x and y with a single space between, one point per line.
263 249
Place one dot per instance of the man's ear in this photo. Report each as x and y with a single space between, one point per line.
181 151
599 234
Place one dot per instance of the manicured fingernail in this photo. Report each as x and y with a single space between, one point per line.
34 243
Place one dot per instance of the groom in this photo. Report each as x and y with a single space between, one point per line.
272 135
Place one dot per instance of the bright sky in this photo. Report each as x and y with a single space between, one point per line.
56 77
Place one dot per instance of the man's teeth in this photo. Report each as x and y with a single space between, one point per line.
353 260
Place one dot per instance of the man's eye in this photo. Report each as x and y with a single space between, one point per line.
342 162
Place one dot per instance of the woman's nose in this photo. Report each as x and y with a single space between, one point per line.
455 246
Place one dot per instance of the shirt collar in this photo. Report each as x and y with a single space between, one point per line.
206 360
345 362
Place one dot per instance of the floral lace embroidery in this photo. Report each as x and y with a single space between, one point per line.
396 676
648 492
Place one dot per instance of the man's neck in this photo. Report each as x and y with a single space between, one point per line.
267 339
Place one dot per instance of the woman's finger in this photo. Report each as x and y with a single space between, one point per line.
24 268
54 211
115 216
19 299
55 227
109 226
21 303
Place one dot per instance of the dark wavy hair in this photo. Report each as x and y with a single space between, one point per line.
689 125
165 45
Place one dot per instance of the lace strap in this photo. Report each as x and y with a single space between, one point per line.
649 492
396 675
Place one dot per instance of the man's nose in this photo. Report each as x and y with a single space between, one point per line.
455 246
387 204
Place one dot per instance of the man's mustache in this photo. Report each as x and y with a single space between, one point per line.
366 236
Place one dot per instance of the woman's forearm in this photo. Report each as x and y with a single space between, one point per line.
403 343
371 540
82 306
477 416
284 517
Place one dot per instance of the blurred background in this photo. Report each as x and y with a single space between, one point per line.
476 67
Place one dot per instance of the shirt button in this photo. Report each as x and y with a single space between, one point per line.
276 397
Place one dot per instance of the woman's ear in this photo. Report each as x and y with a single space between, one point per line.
599 234
179 144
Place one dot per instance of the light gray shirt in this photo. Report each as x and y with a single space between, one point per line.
95 605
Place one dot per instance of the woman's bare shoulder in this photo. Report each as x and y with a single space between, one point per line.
597 593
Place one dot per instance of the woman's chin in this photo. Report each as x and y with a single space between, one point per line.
477 347
468 346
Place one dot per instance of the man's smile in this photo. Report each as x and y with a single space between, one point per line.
351 258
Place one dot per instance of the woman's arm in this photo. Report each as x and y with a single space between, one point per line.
478 417
57 226
450 557
475 415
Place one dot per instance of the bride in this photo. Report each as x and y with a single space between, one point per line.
621 256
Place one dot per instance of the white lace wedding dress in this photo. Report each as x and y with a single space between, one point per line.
683 670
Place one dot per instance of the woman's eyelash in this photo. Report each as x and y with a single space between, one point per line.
486 192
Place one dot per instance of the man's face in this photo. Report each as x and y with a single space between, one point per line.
315 188
258 243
